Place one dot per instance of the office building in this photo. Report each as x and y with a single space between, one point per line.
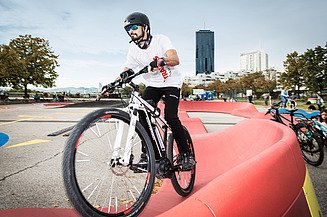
254 61
205 49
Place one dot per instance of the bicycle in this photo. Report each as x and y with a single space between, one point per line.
101 172
287 102
309 138
321 129
311 119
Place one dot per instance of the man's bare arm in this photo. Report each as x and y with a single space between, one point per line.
171 58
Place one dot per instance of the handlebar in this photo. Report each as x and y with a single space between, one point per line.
119 82
274 106
292 112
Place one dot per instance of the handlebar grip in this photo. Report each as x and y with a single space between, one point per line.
105 89
126 77
110 87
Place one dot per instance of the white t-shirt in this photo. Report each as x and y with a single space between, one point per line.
139 58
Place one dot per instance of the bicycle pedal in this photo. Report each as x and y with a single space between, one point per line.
138 169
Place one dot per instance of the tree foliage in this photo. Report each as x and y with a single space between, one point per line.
315 68
293 77
308 69
27 60
257 82
186 90
216 86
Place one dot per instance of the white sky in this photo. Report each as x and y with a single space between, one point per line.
92 45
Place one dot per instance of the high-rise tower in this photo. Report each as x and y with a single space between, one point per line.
205 49
254 61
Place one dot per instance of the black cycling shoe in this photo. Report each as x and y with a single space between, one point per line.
141 166
143 161
187 161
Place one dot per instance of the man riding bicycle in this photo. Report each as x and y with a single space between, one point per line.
163 79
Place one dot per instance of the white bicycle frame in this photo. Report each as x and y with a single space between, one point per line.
136 104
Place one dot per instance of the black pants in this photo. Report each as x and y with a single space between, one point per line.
171 113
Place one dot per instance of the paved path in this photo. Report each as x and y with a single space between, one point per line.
30 162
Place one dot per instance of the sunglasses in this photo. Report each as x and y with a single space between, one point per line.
131 27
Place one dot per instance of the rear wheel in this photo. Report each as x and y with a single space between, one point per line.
182 181
311 144
96 184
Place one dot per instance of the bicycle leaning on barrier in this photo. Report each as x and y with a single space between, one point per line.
311 119
319 127
101 172
322 129
309 137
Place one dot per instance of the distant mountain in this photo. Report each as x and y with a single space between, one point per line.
73 90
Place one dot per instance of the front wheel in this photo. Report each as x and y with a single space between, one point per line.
182 181
97 182
311 144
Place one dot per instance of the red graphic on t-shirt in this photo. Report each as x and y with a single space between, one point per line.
162 69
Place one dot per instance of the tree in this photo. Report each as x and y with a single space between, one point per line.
269 86
3 71
308 69
199 86
27 60
293 77
231 87
315 68
216 86
186 90
8 65
254 81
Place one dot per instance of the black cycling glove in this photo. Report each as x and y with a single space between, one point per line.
126 73
108 88
159 62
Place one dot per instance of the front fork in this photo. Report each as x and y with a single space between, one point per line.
130 138
116 157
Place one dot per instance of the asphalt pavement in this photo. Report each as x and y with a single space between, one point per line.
30 162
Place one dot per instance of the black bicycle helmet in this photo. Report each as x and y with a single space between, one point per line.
142 20
137 18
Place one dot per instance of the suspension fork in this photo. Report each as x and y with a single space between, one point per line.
130 137
124 158
118 140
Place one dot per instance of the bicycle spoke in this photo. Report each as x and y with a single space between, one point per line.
82 160
110 191
98 135
102 173
109 186
93 191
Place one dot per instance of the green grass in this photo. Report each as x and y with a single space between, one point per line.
300 104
